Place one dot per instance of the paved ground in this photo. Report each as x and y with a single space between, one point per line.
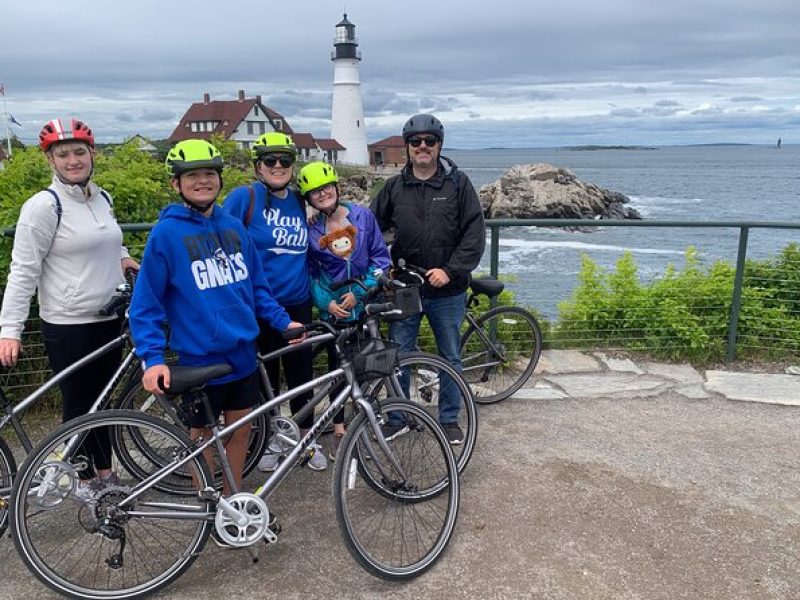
605 479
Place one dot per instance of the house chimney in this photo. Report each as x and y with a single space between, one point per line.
258 99
241 95
206 98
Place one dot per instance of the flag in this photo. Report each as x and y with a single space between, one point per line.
13 120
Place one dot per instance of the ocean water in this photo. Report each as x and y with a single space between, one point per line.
687 183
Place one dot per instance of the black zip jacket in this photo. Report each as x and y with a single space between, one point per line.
437 223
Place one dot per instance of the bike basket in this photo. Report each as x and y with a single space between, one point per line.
372 359
405 299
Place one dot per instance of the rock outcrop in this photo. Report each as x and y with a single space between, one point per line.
543 191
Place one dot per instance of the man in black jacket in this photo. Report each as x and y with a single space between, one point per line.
436 218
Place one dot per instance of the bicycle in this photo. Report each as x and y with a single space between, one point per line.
12 415
418 374
396 497
500 347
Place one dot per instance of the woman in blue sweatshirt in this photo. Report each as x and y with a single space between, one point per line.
275 218
202 274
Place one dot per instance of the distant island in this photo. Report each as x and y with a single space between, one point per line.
597 147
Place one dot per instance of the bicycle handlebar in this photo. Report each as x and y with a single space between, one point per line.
122 296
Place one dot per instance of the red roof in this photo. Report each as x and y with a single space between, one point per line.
329 144
229 113
393 141
304 140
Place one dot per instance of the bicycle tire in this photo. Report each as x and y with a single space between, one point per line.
491 378
138 400
424 368
406 504
8 471
68 543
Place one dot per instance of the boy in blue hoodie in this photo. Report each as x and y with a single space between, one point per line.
202 274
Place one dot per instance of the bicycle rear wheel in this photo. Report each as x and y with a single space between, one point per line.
396 511
500 352
131 447
8 470
94 548
425 372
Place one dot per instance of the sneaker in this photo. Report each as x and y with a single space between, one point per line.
454 434
393 430
88 491
316 458
269 462
114 481
335 442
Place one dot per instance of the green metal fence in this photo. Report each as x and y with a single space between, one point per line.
726 323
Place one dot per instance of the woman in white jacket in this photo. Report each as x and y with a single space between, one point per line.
68 246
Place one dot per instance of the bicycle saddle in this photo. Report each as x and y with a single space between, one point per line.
185 378
487 285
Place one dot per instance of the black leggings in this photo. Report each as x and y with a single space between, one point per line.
297 365
65 345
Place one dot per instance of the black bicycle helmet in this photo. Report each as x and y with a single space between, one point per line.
423 123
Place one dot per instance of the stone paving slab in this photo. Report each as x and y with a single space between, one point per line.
755 387
619 364
610 384
681 373
540 391
566 361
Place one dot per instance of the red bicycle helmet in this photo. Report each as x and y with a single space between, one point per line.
54 131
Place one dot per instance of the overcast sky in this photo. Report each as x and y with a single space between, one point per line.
514 73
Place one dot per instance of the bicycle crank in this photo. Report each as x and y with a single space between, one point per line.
247 522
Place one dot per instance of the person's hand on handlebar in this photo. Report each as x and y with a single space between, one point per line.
129 263
437 277
295 325
156 376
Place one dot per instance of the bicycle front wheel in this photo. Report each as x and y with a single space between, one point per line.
500 352
396 510
103 545
426 375
8 470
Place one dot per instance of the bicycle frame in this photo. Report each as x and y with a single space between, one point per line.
351 389
13 415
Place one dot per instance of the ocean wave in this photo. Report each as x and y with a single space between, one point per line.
664 200
520 245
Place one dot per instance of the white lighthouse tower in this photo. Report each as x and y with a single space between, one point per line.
347 114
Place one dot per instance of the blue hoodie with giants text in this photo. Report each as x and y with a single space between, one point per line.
204 277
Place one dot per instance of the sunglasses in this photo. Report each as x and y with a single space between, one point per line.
430 141
271 161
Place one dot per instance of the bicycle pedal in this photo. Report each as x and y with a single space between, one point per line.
272 532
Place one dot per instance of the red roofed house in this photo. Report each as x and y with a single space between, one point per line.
241 120
388 151
330 149
307 148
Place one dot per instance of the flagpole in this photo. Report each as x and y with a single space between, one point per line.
5 116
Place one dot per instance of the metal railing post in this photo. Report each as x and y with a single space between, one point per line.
736 302
494 250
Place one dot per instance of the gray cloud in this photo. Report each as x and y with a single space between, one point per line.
486 71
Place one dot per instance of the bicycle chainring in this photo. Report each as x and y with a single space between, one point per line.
54 482
285 435
256 527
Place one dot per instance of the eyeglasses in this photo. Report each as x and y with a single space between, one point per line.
326 189
272 160
429 140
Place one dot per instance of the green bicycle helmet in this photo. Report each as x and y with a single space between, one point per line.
190 155
314 176
272 142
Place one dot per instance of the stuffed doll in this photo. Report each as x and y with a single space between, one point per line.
341 242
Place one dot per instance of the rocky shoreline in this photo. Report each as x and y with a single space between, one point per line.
537 191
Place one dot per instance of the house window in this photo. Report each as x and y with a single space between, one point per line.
255 110
210 126
358 122
278 125
262 127
251 129
194 125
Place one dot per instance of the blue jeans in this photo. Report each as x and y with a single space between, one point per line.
445 316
